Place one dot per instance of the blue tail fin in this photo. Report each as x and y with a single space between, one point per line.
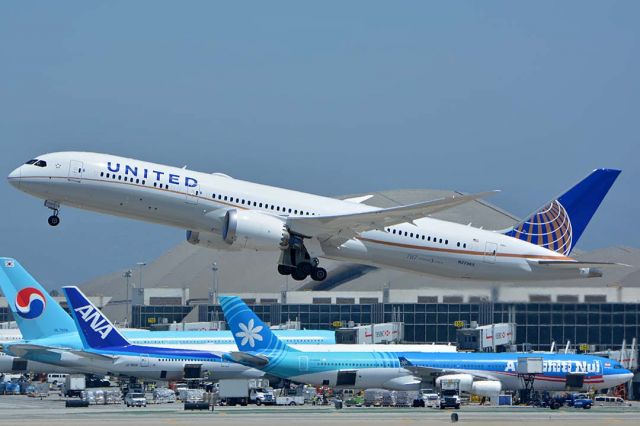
96 331
250 333
38 315
560 223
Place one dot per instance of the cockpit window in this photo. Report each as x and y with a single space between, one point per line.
37 163
617 366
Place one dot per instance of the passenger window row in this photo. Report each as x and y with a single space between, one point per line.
399 232
265 206
132 180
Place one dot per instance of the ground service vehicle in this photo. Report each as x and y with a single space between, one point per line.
234 391
450 394
74 384
135 399
262 396
580 400
605 400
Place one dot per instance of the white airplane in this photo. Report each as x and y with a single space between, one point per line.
225 213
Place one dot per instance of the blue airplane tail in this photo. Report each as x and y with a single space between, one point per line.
95 329
37 314
249 332
559 224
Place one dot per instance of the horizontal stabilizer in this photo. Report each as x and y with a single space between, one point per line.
22 349
569 264
94 355
257 361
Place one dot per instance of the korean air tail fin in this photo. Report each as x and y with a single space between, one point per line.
559 224
37 314
249 332
95 329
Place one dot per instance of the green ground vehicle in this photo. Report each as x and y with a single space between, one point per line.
355 400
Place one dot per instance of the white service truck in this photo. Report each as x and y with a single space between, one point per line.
233 391
74 384
449 393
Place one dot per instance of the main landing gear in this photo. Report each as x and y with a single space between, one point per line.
296 261
53 220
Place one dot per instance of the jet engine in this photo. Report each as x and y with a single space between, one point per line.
486 388
209 240
469 385
248 229
465 381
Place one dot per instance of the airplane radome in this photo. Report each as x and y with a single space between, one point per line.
224 213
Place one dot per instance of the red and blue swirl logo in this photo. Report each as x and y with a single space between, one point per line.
30 303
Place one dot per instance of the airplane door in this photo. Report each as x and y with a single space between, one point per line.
191 194
490 252
303 363
75 170
144 360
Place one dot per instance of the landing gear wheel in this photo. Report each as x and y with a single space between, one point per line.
318 274
298 275
285 270
304 267
53 220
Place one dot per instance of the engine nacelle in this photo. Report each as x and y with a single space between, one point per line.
209 240
248 229
486 388
467 384
465 381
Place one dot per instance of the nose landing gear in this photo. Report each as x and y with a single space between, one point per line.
53 220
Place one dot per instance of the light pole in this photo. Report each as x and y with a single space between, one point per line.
213 299
140 265
127 276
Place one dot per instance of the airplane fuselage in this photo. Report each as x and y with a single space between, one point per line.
198 202
385 369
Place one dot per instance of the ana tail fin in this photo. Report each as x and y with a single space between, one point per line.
559 224
38 315
249 332
96 331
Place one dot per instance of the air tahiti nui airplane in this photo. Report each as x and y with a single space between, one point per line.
224 213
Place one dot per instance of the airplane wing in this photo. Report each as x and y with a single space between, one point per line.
349 225
22 349
431 372
257 361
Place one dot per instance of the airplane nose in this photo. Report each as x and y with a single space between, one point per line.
14 176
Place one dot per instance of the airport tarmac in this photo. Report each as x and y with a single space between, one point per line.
51 411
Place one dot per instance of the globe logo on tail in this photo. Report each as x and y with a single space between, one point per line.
549 227
30 303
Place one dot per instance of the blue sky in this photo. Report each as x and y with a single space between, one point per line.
325 97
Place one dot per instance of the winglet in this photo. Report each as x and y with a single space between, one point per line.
249 332
38 315
96 331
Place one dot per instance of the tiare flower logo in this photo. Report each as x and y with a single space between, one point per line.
249 333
